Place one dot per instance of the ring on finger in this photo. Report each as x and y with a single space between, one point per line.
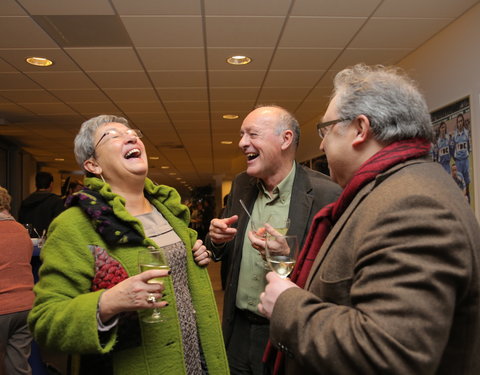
151 298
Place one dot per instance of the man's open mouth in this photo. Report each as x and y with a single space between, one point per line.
251 156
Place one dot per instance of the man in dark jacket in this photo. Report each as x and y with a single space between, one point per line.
42 206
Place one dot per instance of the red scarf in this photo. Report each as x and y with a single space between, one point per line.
324 220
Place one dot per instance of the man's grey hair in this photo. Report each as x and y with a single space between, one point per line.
387 97
287 121
84 141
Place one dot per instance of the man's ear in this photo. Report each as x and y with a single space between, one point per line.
92 166
287 139
362 127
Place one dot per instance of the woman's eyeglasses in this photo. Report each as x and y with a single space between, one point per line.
114 133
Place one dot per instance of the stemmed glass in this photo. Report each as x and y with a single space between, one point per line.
153 259
281 254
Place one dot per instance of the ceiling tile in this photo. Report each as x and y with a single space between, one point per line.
175 106
105 59
182 78
10 8
335 8
231 106
247 8
239 78
424 8
270 95
23 32
132 94
120 79
254 31
183 93
217 58
317 32
95 107
130 107
172 58
80 96
300 59
62 80
155 7
292 78
397 33
67 7
371 56
17 81
49 108
233 93
151 31
29 96
61 61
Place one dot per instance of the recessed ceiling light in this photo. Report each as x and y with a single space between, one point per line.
38 61
172 174
164 167
230 117
226 142
154 158
239 60
59 159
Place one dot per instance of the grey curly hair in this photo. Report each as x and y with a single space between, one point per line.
84 141
387 97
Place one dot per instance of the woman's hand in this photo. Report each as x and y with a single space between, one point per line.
132 294
201 254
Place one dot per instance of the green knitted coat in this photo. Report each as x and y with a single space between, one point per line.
64 314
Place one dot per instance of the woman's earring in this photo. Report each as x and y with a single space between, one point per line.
101 176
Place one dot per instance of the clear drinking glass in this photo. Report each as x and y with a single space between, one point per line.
153 259
281 254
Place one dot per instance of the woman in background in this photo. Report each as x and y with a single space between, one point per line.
16 295
90 294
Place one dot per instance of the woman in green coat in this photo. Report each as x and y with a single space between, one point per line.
91 297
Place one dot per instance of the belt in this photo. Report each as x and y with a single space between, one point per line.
252 317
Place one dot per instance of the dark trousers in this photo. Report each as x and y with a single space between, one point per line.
247 344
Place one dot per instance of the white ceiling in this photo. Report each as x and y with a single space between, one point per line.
161 64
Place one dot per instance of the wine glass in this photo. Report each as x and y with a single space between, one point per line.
279 223
153 259
281 254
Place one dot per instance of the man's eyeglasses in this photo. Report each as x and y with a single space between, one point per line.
324 127
114 133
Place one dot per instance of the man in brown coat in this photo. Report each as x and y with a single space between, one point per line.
389 274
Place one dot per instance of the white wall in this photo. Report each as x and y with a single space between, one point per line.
447 69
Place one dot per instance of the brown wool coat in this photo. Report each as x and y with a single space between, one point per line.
395 287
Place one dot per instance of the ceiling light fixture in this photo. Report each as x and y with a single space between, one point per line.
154 158
226 142
164 167
239 60
59 159
39 61
230 117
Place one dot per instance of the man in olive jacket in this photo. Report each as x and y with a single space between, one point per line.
273 183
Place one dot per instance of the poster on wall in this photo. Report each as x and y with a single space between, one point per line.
452 147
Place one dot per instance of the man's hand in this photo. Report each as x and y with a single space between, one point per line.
220 230
275 286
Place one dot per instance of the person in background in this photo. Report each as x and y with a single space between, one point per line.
389 278
71 188
16 295
458 178
273 184
442 147
42 206
462 147
91 296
